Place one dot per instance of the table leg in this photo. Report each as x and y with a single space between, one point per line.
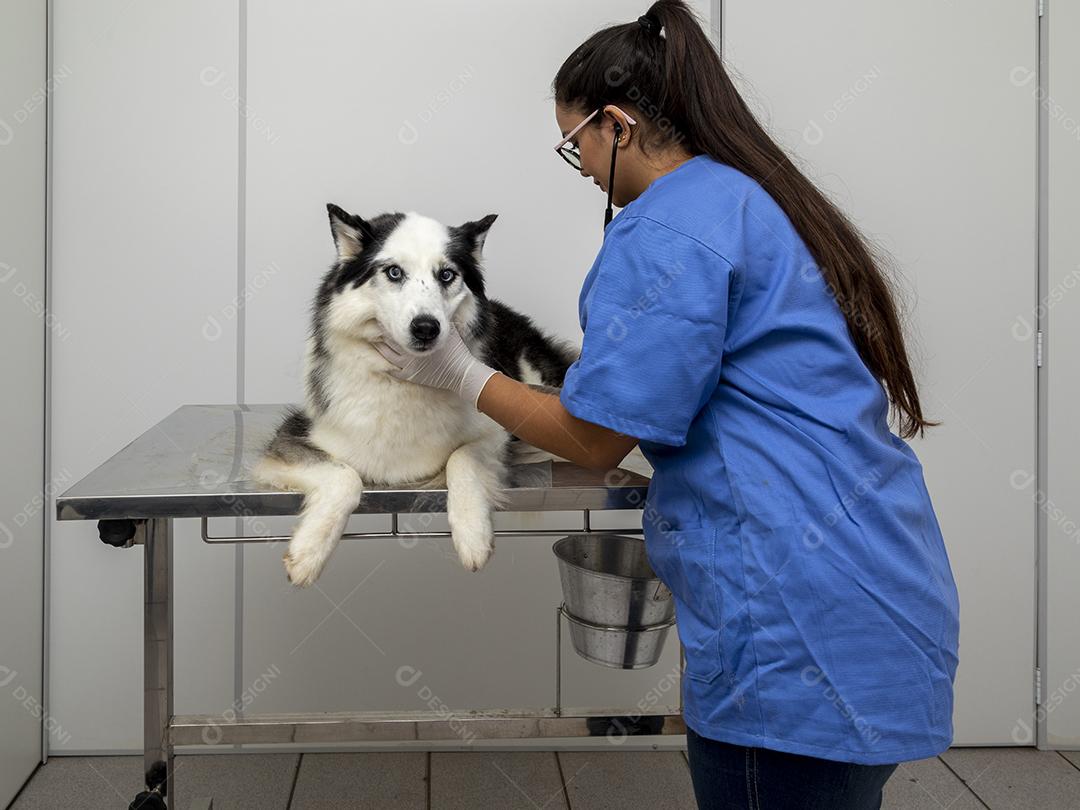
158 658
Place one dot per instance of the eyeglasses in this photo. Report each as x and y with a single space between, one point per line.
569 152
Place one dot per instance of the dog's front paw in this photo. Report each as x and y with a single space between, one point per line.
474 540
474 556
303 567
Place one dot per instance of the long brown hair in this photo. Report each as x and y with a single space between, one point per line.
678 83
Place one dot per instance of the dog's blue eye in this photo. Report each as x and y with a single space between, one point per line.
446 275
393 272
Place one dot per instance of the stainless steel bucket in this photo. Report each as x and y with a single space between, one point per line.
619 610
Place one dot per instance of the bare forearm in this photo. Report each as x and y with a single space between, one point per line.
540 419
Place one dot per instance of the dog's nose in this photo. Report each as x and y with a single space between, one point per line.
424 328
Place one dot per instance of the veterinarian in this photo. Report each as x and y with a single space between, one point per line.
738 329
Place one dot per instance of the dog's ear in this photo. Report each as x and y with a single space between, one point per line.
351 233
475 233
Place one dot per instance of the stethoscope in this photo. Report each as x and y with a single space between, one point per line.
611 177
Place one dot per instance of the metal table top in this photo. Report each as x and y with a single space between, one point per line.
196 463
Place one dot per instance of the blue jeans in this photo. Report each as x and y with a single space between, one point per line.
736 777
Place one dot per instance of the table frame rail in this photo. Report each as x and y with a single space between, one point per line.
163 731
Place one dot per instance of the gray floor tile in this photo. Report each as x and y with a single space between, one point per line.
377 781
624 779
1001 778
89 783
1017 778
927 784
237 781
507 780
1072 756
234 781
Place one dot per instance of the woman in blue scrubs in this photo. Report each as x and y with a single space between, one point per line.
738 329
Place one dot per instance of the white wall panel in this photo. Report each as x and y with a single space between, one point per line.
24 79
152 261
445 109
906 115
144 239
1059 305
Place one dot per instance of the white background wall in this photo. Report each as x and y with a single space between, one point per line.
23 325
1059 301
910 120
170 208
144 232
166 216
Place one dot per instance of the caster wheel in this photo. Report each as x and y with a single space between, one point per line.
148 800
118 533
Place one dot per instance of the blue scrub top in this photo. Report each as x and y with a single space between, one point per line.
813 592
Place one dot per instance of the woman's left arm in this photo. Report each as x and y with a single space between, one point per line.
541 420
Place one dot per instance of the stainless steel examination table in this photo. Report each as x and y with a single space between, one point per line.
195 463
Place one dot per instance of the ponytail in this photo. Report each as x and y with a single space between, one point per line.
678 84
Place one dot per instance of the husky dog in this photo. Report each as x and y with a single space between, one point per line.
407 277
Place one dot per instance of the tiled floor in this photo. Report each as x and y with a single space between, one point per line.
960 779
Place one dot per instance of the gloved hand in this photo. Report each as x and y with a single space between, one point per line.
452 366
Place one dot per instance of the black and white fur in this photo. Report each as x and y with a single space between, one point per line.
407 277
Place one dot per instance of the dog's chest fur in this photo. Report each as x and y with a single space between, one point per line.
388 430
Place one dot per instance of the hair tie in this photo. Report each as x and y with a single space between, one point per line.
651 24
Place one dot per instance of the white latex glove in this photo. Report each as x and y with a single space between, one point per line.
452 366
